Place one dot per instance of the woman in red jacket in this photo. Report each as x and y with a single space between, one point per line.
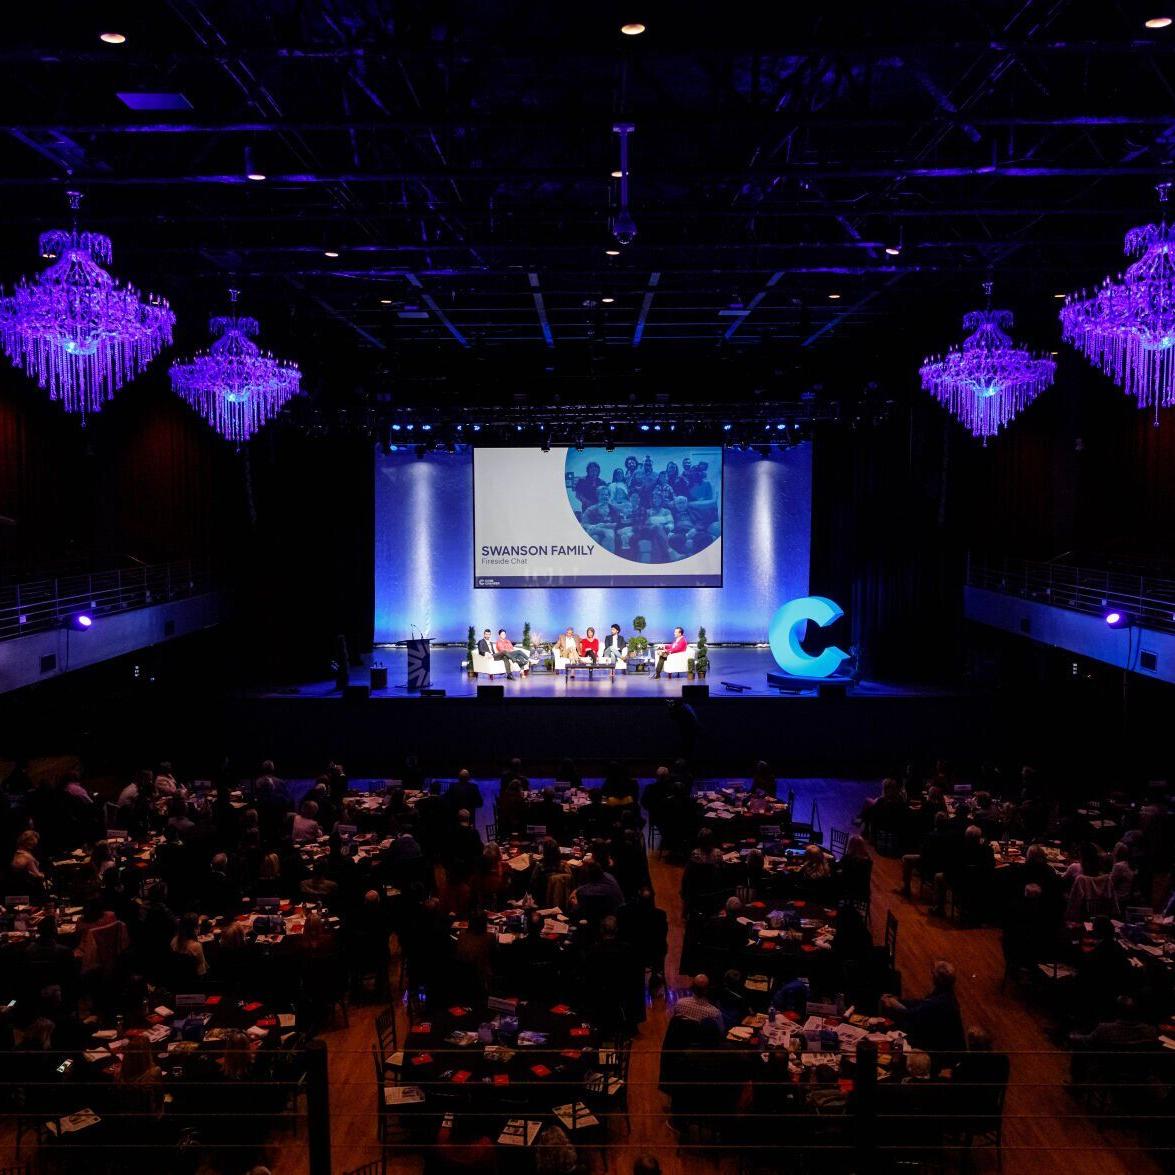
679 645
589 647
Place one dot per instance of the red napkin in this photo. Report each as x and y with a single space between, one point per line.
560 1010
580 1031
845 1084
423 1027
422 1059
807 947
213 1000
458 1011
570 1054
461 1076
501 1078
252 1006
540 1070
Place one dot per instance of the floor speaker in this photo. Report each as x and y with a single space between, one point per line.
491 693
432 693
354 694
832 690
695 693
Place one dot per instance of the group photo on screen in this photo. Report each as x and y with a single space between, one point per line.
648 505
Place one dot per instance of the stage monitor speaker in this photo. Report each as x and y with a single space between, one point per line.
832 690
379 677
354 694
491 693
432 693
695 693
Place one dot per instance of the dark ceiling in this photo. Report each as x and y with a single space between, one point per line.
457 157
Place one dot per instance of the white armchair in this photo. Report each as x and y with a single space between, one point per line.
490 666
679 662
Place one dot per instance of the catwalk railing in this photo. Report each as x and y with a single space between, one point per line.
40 604
1149 600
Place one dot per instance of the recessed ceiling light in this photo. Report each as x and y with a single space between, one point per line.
608 299
255 176
1158 22
120 38
617 174
611 252
893 250
329 253
834 296
385 301
1058 295
632 29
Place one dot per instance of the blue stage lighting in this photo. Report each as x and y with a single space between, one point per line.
79 622
1118 619
426 428
644 428
395 428
726 428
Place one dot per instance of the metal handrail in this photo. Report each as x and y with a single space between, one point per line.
37 605
1095 591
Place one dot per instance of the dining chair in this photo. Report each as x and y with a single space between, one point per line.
891 940
385 1030
838 840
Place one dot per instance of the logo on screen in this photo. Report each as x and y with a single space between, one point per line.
647 507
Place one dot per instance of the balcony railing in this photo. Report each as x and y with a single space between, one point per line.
1096 591
37 605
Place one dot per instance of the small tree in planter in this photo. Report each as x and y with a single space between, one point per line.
638 645
701 654
470 648
526 642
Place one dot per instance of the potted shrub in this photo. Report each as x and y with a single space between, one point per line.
689 667
470 649
638 646
701 660
526 641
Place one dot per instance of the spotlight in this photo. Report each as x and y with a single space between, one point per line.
834 297
1058 295
251 172
726 428
1117 619
644 428
624 227
426 428
611 252
634 28
1155 22
894 250
617 174
395 428
385 301
79 622
608 300
120 38
329 253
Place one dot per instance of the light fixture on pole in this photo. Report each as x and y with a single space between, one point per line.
623 226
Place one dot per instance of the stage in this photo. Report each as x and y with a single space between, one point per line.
545 718
742 666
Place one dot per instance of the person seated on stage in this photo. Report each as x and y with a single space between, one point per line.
615 646
488 648
589 647
567 646
678 645
505 649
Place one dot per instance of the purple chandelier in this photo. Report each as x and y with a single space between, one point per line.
1127 328
988 380
234 385
74 329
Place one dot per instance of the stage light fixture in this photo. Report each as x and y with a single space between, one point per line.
894 250
1158 22
251 170
120 38
78 622
409 427
833 297
617 174
644 428
726 428
426 428
1116 618
632 28
607 299
395 428
611 252
329 253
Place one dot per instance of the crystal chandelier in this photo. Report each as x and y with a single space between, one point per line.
234 385
76 330
1127 327
988 380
